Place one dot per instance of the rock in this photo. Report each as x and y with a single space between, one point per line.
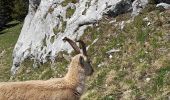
110 56
123 6
146 19
148 79
163 1
92 43
164 5
137 6
122 25
101 64
112 51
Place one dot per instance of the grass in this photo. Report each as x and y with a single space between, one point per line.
8 39
139 45
64 23
69 12
65 2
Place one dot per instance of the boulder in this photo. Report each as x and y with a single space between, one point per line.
164 5
138 5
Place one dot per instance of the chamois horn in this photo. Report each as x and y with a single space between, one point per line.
73 44
83 45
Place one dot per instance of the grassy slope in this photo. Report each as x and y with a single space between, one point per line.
8 38
141 69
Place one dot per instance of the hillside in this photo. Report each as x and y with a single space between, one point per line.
137 68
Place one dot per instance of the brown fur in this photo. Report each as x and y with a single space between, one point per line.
69 87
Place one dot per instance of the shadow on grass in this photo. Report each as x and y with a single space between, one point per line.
9 25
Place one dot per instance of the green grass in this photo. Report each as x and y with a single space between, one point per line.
64 23
8 38
69 12
65 2
139 45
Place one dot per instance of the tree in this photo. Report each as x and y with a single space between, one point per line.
4 12
20 9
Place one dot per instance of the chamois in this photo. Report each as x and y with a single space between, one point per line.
70 87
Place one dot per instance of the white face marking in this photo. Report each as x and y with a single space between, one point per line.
79 89
81 77
81 84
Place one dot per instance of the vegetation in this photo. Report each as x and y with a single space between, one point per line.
69 12
12 10
8 38
141 69
65 2
4 12
20 9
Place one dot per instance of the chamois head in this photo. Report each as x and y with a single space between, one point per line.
84 61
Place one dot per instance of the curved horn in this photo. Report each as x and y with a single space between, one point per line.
73 44
83 47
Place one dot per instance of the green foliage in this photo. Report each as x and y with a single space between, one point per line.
50 10
65 2
44 41
69 12
15 9
56 30
8 38
52 39
64 23
109 97
100 78
5 11
160 79
20 9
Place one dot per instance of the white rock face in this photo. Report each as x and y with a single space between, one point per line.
138 5
164 5
46 25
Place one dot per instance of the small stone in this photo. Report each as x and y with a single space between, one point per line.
110 56
101 64
149 23
148 79
112 51
146 19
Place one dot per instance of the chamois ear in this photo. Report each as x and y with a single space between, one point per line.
81 60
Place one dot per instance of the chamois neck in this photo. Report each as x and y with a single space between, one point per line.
76 75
